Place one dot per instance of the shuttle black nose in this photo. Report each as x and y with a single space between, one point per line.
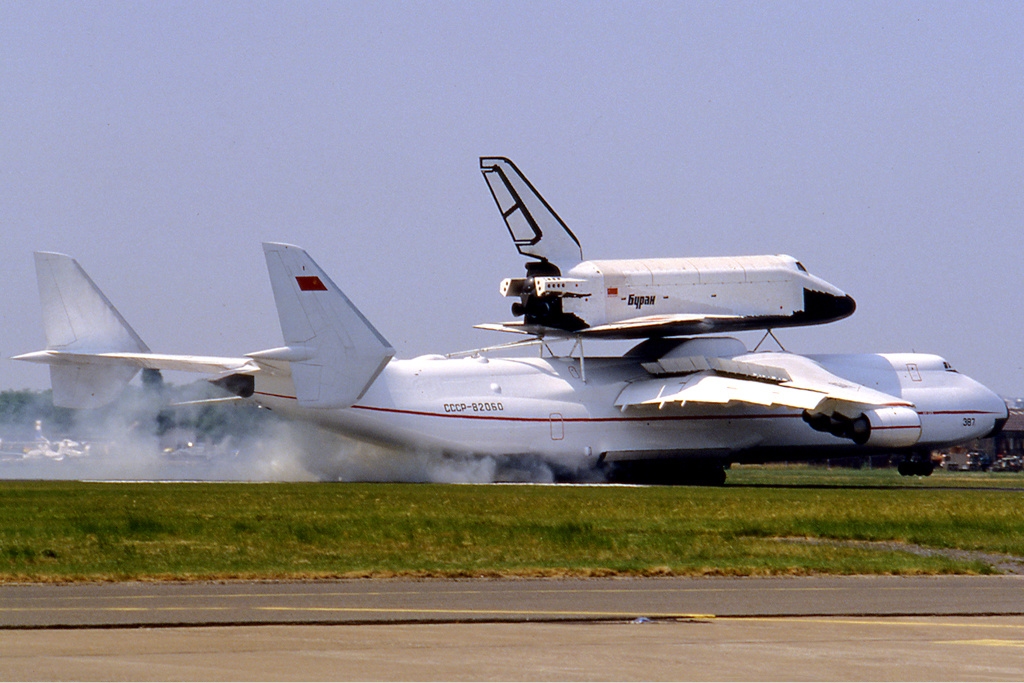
824 307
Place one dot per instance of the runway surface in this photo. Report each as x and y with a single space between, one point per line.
833 628
435 601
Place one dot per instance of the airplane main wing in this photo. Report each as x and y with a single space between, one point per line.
829 403
699 379
710 388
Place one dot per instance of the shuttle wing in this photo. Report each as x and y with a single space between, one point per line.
665 326
632 328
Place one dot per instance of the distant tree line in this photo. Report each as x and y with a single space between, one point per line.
151 409
19 411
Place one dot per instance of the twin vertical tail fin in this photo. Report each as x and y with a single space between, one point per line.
80 322
334 352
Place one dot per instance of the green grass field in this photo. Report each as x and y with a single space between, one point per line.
58 531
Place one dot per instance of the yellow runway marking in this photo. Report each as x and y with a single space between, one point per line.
115 609
988 642
379 610
510 612
396 593
881 621
546 591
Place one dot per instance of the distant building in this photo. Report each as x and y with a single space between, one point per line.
1010 441
1003 452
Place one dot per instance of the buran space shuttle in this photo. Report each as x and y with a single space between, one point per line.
563 295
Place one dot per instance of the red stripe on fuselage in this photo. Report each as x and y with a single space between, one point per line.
500 418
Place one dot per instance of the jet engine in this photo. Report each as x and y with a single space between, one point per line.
887 427
540 296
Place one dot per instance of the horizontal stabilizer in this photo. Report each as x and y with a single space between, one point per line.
149 361
334 352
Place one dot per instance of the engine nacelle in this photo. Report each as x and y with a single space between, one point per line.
888 427
544 286
893 426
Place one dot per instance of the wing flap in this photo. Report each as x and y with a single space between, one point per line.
682 365
708 388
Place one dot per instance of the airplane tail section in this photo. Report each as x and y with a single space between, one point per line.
334 352
79 320
536 229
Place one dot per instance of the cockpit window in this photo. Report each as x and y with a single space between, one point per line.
948 367
800 267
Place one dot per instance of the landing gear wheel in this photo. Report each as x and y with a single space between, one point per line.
667 473
704 476
920 468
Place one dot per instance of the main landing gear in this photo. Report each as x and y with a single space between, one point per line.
668 472
917 464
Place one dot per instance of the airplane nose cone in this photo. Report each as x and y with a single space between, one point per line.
824 307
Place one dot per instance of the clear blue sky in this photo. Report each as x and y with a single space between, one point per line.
882 144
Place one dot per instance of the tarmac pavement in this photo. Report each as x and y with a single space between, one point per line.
825 628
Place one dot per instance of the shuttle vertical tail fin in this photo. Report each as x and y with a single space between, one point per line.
334 352
536 229
78 318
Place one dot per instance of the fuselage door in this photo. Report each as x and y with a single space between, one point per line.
557 427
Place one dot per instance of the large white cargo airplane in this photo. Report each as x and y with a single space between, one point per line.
702 403
563 295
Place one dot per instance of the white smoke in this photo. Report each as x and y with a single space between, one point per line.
124 443
333 457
